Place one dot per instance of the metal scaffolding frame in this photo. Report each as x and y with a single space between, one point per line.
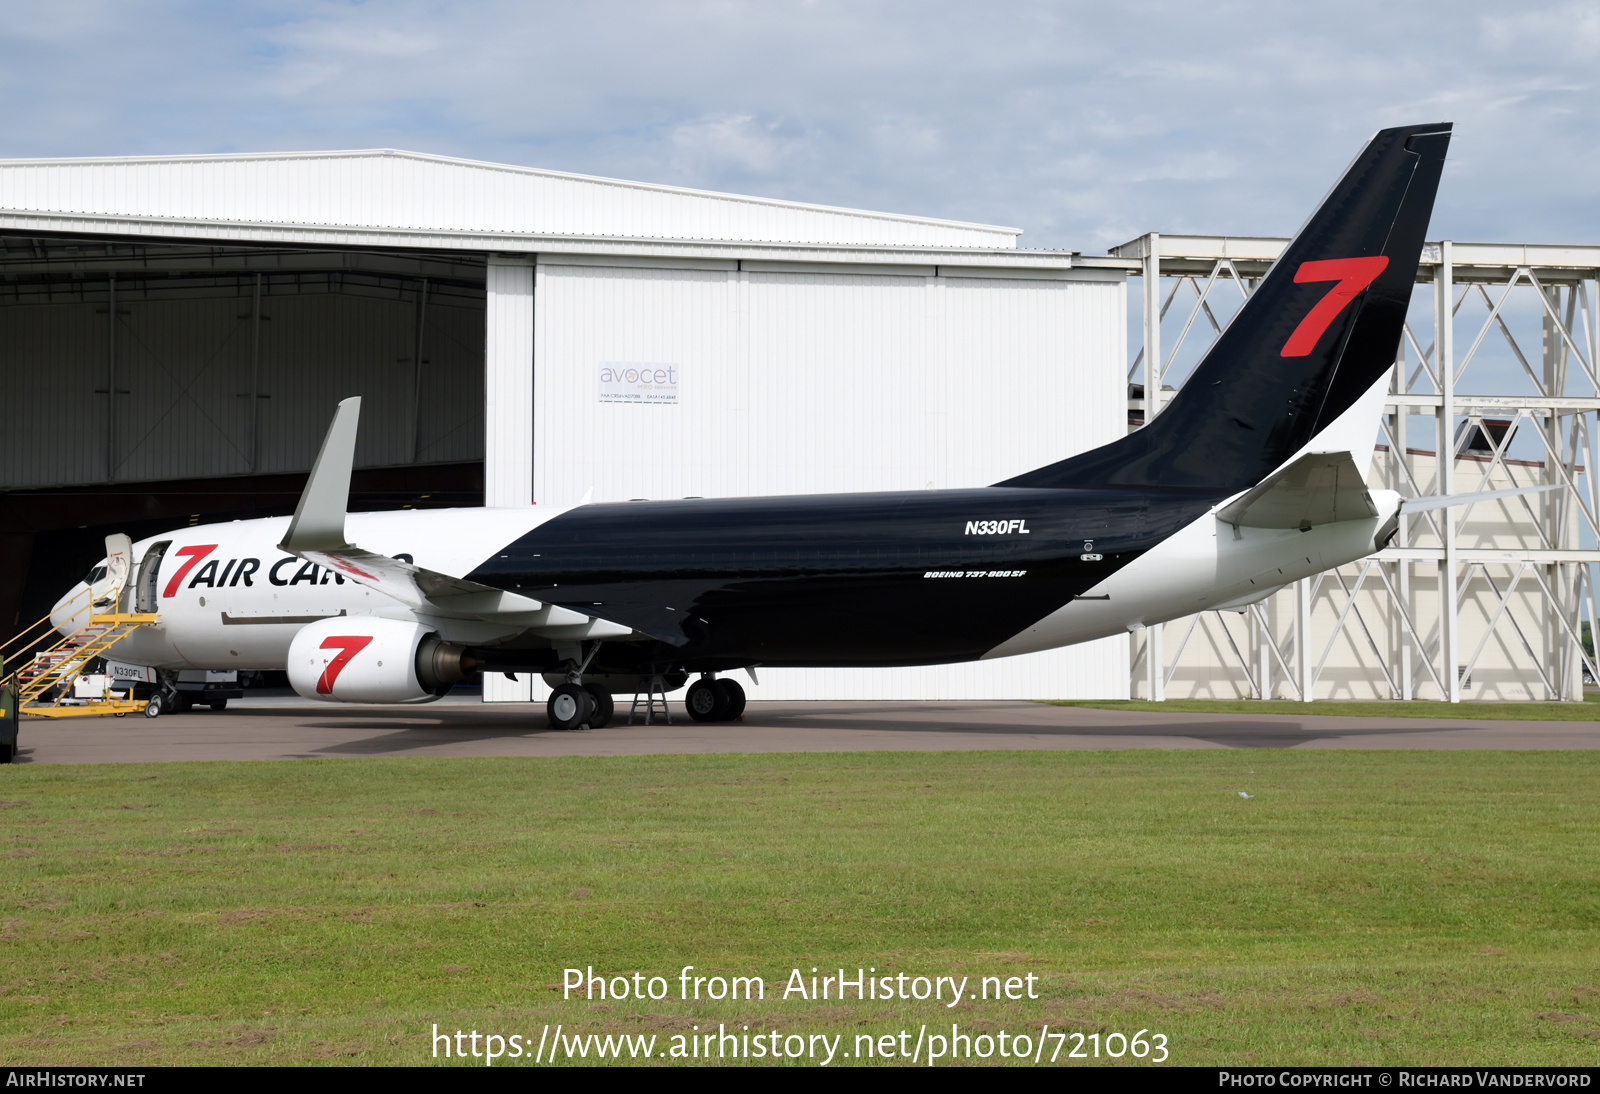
1417 650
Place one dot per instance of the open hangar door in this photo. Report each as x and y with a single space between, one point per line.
150 385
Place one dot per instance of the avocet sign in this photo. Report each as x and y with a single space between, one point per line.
638 382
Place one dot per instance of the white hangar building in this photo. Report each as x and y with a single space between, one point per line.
193 320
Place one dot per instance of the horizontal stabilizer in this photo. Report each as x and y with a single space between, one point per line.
1318 488
1417 505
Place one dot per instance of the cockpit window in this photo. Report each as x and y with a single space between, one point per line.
95 574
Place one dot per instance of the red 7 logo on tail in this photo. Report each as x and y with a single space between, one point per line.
350 644
1352 275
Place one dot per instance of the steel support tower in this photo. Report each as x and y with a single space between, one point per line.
1515 578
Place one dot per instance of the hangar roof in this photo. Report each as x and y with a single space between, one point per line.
386 197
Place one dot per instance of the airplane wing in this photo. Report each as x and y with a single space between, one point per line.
1318 488
317 534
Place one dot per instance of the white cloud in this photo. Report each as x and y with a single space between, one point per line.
736 143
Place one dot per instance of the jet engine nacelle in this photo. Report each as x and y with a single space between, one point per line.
371 660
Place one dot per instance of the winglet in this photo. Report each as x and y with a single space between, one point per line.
318 523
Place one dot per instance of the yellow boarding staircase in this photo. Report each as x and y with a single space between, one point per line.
54 670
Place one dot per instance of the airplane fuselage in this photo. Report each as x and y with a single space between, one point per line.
912 578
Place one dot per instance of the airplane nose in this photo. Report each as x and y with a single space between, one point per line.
70 613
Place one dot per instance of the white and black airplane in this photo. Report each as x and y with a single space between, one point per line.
1252 477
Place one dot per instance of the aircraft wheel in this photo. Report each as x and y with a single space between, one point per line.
706 701
8 753
153 708
218 704
569 707
182 704
604 707
735 697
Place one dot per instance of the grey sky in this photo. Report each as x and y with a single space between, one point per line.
1083 123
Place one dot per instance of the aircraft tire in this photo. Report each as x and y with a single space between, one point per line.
569 707
8 753
152 709
706 701
604 706
735 697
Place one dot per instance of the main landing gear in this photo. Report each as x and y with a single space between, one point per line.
575 706
711 700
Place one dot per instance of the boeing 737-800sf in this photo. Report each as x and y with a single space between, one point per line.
1252 477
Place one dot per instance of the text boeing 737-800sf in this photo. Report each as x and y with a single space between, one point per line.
1254 476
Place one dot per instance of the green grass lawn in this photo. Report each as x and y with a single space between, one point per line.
1393 907
1586 711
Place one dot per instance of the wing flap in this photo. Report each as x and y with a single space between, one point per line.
414 586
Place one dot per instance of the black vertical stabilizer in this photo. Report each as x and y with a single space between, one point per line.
1320 330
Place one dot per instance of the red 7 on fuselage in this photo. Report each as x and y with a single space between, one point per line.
195 553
